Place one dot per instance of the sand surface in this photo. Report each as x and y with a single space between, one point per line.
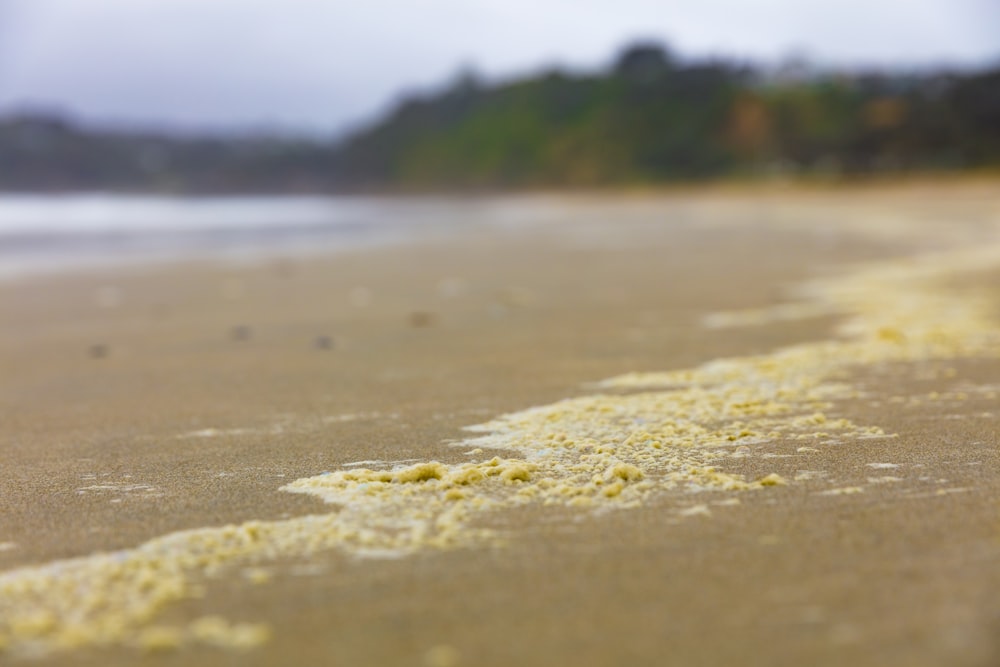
830 495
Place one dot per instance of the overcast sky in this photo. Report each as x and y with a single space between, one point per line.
325 64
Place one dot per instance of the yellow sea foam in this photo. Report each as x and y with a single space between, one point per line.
644 435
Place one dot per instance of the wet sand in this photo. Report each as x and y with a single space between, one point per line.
137 404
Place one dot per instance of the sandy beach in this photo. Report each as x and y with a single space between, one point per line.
711 427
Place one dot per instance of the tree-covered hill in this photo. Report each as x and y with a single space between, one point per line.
653 119
650 118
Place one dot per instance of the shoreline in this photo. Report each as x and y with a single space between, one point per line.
123 245
511 321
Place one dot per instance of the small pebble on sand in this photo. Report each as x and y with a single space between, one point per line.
420 318
240 332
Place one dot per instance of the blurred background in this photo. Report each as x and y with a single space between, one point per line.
311 96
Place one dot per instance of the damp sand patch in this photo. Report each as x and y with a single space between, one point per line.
667 436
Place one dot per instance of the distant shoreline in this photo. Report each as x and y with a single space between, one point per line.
749 182
49 233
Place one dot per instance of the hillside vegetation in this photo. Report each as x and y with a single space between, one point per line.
650 118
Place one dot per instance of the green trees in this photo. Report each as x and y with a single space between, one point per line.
653 118
649 117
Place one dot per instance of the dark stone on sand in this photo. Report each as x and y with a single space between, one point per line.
99 351
421 319
241 332
324 343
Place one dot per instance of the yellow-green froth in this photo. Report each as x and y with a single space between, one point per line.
645 435
603 450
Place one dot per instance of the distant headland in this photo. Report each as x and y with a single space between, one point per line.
649 118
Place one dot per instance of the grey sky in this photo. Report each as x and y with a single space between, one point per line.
324 64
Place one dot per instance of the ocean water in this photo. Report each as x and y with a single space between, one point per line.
52 233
